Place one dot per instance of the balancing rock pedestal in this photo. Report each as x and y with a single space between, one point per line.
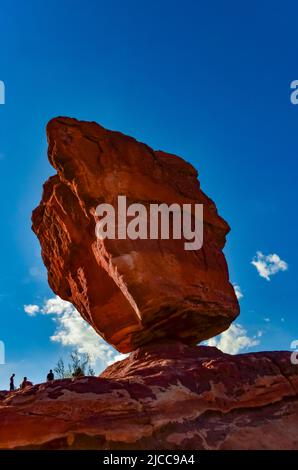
151 297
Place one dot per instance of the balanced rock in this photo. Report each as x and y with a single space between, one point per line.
131 291
163 396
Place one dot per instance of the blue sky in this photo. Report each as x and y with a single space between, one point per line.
209 81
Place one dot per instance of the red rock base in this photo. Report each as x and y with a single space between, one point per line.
164 396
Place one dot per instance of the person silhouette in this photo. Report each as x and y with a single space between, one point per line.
11 383
50 376
26 383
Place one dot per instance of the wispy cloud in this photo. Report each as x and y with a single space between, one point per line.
238 291
31 310
234 340
267 265
74 332
38 273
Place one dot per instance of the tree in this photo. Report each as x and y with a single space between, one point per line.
59 369
79 365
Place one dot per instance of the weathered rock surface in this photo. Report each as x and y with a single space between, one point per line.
164 396
131 291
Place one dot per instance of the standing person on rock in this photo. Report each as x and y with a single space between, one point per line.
11 383
50 376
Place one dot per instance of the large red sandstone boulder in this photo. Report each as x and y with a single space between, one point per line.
131 291
163 396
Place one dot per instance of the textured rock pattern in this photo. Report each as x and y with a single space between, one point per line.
165 396
131 291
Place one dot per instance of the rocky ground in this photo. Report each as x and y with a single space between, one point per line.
163 396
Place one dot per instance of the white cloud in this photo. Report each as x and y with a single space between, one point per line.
118 357
234 340
57 306
31 310
238 291
267 265
73 331
267 319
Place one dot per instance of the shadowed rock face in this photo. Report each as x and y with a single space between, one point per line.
163 396
131 291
